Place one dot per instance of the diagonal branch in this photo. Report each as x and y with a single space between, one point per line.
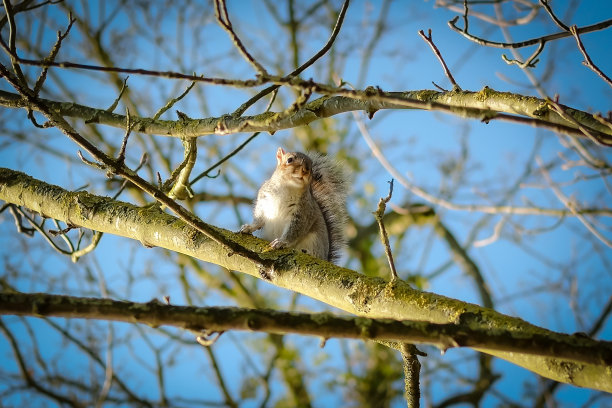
302 67
551 37
117 167
588 62
339 287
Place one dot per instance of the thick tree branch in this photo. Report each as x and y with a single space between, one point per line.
484 105
219 319
336 286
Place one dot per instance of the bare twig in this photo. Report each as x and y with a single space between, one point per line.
17 217
42 232
172 101
143 161
8 8
489 209
552 15
95 240
588 62
533 12
181 190
495 236
605 313
529 62
429 41
585 130
128 130
54 51
312 60
228 400
569 204
465 16
574 31
206 172
378 214
27 373
116 101
551 37
114 166
412 369
224 21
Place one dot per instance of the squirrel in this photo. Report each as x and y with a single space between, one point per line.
303 205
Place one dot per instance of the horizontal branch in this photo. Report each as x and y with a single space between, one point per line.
326 325
484 105
551 37
339 287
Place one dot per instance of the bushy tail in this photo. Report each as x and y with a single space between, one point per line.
330 187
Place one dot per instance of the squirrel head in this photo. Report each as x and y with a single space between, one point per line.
295 168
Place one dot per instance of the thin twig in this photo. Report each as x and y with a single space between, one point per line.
378 214
496 233
312 60
95 240
588 62
143 161
574 31
572 206
489 209
42 232
529 62
116 101
465 15
54 51
128 130
534 9
429 41
8 8
412 369
114 166
27 372
224 159
585 130
181 190
224 21
552 15
172 101
605 313
17 217
551 37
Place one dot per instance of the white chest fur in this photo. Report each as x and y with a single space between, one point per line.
277 209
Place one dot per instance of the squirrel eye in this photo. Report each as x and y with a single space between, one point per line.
289 160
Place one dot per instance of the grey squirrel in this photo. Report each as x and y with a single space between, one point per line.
303 205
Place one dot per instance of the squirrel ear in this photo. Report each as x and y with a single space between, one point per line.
279 154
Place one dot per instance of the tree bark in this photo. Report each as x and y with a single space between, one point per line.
331 284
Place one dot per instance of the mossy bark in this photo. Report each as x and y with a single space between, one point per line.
331 284
483 105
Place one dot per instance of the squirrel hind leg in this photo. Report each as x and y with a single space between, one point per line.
315 245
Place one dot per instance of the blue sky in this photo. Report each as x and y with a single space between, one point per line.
403 62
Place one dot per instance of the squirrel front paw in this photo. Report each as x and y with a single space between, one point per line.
278 244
